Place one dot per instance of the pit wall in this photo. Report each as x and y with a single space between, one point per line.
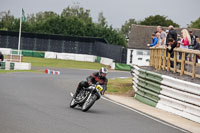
167 93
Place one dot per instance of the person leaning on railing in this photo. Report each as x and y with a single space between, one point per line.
170 48
155 40
197 47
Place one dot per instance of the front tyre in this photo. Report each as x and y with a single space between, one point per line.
88 104
73 103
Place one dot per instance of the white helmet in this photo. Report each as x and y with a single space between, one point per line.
103 70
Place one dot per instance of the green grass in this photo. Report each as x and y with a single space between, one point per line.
8 71
120 86
42 62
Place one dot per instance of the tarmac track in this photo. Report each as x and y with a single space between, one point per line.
39 103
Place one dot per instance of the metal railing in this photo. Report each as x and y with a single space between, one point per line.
182 58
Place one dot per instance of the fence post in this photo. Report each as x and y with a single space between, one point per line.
155 59
182 63
175 61
168 62
194 66
160 58
164 59
151 57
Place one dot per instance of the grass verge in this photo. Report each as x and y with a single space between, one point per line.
8 71
42 62
120 86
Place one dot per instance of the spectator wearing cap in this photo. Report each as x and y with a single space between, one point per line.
172 34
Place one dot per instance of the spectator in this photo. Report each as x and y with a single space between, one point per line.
186 40
167 31
172 34
1 57
163 36
154 41
193 39
197 47
170 49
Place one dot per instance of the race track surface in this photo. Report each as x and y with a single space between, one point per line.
39 103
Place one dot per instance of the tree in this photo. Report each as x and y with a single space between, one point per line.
77 11
6 20
158 20
101 19
195 24
125 29
73 21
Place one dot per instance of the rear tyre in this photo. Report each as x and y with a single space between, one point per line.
87 105
73 103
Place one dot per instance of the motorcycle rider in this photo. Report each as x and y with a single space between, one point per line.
95 77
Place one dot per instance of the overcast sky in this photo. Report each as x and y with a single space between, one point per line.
115 11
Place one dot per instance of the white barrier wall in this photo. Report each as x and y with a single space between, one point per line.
76 57
6 51
106 61
22 66
50 55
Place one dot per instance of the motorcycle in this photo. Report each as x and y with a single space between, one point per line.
87 97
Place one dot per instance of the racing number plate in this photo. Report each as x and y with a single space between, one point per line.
99 88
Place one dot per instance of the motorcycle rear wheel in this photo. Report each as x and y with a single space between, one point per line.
87 105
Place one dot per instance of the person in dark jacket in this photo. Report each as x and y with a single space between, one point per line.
172 34
1 57
170 49
95 77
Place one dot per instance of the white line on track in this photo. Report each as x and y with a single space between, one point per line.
141 113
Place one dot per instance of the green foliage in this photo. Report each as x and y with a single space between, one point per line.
73 21
125 29
195 24
158 20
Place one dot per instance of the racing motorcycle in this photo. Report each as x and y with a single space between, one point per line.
87 97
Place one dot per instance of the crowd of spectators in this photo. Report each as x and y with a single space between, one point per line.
170 39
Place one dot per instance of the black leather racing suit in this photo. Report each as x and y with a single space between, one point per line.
92 79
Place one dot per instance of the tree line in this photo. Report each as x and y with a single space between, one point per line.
77 21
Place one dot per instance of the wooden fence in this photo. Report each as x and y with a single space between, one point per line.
160 59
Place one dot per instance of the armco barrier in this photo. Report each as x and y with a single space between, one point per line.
167 93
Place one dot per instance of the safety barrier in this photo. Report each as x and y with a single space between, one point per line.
167 93
15 66
106 61
69 56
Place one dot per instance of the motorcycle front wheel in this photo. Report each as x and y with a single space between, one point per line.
73 103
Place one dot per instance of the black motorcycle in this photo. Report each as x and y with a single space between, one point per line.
87 97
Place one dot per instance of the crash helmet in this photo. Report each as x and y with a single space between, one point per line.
103 71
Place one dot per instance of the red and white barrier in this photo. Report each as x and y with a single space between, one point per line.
48 71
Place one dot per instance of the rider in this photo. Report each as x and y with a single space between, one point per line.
95 77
